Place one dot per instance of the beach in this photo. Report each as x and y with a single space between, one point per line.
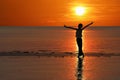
59 68
59 40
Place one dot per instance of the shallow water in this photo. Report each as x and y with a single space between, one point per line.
34 68
55 68
101 68
100 45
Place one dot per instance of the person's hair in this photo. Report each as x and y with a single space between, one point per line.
80 25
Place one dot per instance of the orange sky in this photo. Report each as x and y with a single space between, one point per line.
58 12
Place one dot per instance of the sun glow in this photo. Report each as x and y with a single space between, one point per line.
80 11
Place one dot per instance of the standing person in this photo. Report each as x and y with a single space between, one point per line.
79 35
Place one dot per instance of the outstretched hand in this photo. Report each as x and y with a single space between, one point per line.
87 25
92 22
70 27
65 26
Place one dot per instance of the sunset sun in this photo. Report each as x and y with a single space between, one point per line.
80 11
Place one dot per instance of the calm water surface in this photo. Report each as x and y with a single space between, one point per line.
95 39
52 68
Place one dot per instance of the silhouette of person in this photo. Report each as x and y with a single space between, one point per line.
79 36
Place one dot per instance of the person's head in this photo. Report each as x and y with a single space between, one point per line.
80 26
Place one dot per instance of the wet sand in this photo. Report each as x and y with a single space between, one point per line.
57 66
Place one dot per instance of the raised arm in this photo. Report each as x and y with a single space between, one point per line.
87 25
70 27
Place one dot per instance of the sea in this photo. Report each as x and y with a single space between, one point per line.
95 39
103 40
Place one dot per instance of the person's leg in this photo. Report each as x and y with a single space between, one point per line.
79 43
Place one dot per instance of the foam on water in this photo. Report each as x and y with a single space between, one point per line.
48 53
